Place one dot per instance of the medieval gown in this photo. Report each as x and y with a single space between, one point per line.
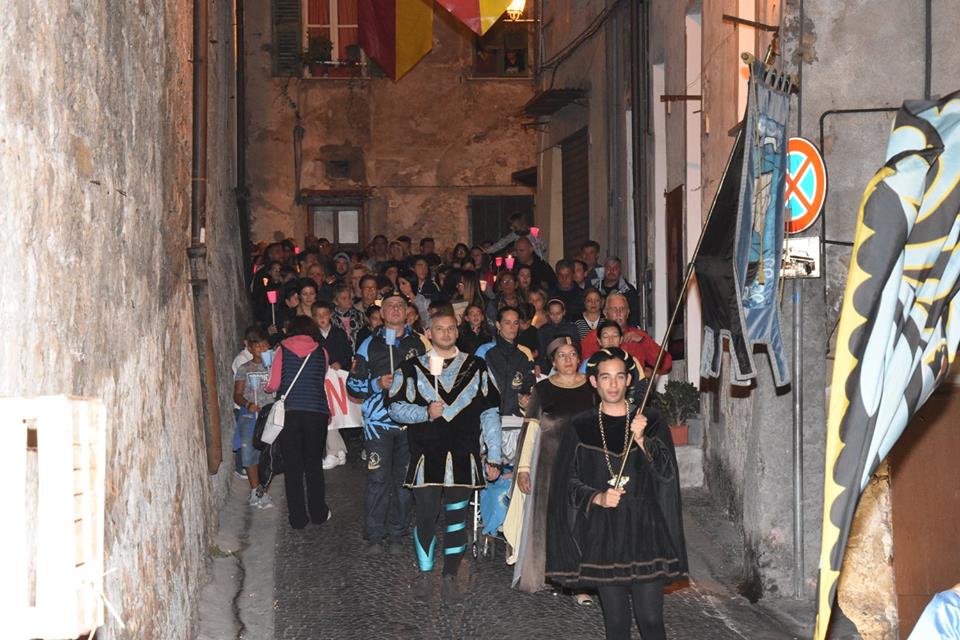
548 415
639 540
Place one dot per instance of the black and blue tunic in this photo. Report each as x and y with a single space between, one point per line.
446 451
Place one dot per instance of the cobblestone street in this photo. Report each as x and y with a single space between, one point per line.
325 588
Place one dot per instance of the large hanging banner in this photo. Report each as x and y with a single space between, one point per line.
738 267
396 34
478 15
900 321
344 412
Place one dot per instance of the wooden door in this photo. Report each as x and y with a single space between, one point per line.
925 483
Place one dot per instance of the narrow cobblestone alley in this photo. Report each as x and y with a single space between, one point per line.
326 589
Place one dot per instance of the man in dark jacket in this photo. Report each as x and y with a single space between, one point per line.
510 365
541 275
378 356
613 281
568 291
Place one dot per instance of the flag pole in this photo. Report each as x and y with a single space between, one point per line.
676 308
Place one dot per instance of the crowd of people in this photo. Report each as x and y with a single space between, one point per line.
483 369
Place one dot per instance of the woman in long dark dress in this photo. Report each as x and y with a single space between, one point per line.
552 404
626 541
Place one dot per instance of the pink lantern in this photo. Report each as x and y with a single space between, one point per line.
509 263
272 296
535 232
499 261
296 250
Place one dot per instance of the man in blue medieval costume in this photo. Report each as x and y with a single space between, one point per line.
445 410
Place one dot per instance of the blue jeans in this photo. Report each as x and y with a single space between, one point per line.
389 503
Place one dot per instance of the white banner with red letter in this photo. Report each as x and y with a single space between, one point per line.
344 412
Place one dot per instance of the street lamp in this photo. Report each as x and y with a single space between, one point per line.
515 9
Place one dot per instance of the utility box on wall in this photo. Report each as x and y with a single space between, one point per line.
53 543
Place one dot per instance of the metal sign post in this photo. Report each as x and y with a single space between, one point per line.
805 193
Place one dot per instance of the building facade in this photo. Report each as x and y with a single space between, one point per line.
339 150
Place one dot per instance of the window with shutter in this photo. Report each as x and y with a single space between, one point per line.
286 38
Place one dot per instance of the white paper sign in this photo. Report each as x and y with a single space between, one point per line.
344 412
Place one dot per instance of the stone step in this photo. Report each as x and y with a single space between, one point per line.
690 462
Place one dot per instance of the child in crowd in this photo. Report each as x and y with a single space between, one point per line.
340 356
248 392
474 331
529 337
557 325
346 317
374 322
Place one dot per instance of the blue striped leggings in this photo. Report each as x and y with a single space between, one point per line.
456 501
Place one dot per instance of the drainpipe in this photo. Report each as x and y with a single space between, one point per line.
197 252
242 192
639 112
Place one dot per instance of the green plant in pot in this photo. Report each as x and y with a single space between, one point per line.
677 403
319 53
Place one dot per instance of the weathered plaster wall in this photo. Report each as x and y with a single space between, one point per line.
422 145
94 153
866 592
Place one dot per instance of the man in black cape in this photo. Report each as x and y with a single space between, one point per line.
625 541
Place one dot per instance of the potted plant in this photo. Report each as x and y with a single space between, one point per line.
677 403
318 55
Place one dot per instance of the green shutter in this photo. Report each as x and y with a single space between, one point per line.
286 37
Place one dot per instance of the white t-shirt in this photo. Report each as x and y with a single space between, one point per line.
242 358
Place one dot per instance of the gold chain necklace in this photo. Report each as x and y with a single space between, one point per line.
603 439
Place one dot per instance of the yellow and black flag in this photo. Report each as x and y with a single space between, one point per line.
900 321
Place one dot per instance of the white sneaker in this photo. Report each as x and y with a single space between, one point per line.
330 462
265 501
341 458
254 498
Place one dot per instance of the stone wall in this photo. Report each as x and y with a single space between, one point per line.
419 147
95 156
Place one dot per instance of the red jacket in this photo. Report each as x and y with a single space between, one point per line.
645 351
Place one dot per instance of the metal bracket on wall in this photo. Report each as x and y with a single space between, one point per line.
823 215
671 98
750 23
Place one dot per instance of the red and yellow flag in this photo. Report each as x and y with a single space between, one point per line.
478 15
396 34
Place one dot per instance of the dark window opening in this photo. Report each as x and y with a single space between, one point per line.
490 216
504 51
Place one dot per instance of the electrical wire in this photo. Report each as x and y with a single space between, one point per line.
570 48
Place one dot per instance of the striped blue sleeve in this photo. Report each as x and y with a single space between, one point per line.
408 413
358 382
490 423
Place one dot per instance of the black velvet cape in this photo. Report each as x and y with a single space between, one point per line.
638 541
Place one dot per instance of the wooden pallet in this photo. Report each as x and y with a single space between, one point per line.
53 537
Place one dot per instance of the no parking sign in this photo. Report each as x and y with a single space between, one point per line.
806 187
